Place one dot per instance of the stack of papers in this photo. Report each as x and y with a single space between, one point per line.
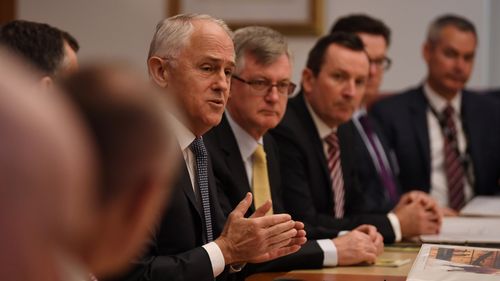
467 230
442 262
482 206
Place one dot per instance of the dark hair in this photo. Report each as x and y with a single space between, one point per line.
127 122
317 54
39 43
72 42
357 23
461 23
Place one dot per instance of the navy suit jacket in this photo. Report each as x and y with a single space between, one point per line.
175 252
233 185
377 199
306 182
403 118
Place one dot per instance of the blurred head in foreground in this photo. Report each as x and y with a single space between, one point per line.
127 120
45 176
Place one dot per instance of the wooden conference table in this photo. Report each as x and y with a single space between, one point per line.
351 273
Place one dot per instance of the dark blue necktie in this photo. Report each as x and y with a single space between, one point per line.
201 155
385 172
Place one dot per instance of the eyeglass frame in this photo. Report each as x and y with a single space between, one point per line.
264 91
379 63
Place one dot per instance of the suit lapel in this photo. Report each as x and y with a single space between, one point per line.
187 186
232 157
314 139
418 109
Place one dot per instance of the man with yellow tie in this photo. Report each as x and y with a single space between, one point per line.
245 158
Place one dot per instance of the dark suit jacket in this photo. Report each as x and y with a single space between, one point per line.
176 252
403 118
377 199
233 184
305 178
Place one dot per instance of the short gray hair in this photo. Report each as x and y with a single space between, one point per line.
461 23
264 43
172 34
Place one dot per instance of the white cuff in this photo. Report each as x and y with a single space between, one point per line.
396 226
330 257
216 258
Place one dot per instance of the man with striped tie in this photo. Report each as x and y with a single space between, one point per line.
446 138
191 59
320 184
246 159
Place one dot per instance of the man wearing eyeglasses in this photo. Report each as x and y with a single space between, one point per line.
246 158
377 166
320 184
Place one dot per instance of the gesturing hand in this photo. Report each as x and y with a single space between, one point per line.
258 238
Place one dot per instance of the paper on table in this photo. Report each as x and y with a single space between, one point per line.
449 263
467 230
486 206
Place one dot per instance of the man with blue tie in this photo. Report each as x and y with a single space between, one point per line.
376 163
191 59
446 138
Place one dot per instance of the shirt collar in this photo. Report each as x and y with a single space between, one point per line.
246 143
439 103
184 136
323 129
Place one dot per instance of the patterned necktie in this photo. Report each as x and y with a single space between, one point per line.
260 178
385 173
201 155
455 174
335 169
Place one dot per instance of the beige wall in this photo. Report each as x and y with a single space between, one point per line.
123 28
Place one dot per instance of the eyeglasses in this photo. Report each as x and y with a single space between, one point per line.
382 63
262 87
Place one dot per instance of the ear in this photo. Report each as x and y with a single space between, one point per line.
426 51
158 71
46 83
308 81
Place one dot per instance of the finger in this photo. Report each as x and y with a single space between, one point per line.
287 235
301 233
299 225
297 241
262 210
243 206
283 251
269 221
370 258
280 228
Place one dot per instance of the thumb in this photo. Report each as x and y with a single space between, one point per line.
262 210
243 206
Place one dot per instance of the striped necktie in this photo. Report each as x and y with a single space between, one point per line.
335 169
454 169
201 155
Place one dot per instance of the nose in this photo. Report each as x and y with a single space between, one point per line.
273 94
461 64
373 69
221 82
349 90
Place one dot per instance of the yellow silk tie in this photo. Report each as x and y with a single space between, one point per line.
260 179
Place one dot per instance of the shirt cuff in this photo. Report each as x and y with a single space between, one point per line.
330 257
216 258
393 219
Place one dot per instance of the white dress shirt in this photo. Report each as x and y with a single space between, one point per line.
323 131
185 137
439 187
247 145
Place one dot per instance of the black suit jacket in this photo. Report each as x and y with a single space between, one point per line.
377 199
403 118
176 252
233 185
305 178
